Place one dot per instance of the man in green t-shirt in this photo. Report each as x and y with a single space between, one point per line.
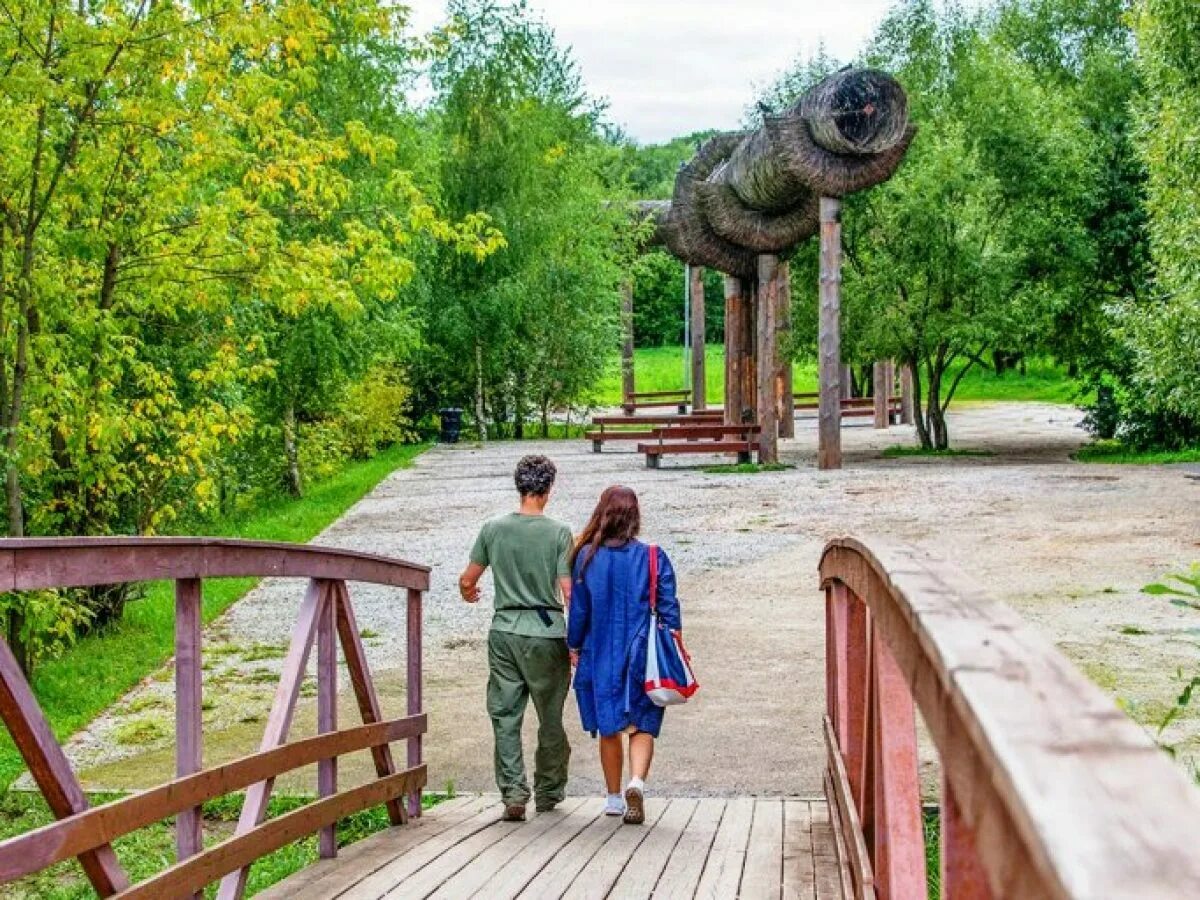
529 554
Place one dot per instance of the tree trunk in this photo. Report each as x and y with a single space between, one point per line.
829 338
291 452
768 358
918 413
699 338
735 299
480 421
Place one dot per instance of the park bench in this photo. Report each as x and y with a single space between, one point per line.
657 400
855 407
739 439
640 428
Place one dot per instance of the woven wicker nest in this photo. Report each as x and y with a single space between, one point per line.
746 194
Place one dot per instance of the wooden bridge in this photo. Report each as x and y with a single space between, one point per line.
1046 788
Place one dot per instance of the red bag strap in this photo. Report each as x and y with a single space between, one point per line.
653 578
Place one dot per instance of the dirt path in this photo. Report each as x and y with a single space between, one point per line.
1068 545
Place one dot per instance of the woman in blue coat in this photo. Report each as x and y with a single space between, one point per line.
607 630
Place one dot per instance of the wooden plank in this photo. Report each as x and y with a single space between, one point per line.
189 716
962 875
478 875
722 873
762 875
1067 796
597 878
328 878
404 867
327 686
798 867
364 690
36 850
829 340
837 823
827 882
438 871
413 656
844 815
237 853
48 765
696 290
279 720
511 879
681 876
564 868
641 875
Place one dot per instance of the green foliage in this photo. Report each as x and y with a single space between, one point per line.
900 451
1183 591
1116 452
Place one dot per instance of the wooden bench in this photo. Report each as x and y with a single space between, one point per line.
855 407
739 439
640 428
657 399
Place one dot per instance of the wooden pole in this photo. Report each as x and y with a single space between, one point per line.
749 361
699 388
785 409
627 383
768 357
906 395
847 383
889 372
879 382
189 728
734 349
829 338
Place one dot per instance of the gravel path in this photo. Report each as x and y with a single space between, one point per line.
1068 545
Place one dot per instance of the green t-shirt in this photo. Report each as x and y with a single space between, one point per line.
527 554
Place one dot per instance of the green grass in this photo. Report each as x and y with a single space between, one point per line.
900 452
95 672
1116 452
661 369
150 850
745 468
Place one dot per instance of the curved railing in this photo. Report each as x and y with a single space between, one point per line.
326 618
1048 790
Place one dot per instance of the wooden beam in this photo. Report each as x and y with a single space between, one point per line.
50 769
879 386
327 685
749 360
627 375
413 686
907 407
829 337
696 289
784 411
189 723
768 357
734 349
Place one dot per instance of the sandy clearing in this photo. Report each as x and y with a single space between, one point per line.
1067 545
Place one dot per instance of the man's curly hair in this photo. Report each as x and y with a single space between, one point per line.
535 476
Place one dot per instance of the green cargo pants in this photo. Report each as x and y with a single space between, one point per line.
519 669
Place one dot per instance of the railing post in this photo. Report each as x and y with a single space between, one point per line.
899 833
189 724
413 623
962 875
327 710
858 701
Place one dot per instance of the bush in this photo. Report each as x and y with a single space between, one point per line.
375 412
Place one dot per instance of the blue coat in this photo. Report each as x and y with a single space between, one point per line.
608 622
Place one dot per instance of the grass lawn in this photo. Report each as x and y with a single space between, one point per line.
94 673
900 451
1116 452
149 850
661 369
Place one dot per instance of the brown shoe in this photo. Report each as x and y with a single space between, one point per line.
635 809
513 812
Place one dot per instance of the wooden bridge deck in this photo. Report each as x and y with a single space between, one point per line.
740 847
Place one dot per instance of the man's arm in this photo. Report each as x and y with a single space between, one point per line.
468 582
564 586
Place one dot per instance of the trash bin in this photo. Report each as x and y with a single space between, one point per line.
451 424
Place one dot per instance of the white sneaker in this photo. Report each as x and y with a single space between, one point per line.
614 805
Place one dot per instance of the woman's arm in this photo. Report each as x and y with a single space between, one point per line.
579 615
668 601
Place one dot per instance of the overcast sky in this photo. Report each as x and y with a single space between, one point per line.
670 67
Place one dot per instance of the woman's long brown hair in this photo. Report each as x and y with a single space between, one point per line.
616 519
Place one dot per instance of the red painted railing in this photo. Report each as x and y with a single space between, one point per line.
326 618
1047 789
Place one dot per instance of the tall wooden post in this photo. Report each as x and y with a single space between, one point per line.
847 383
627 383
699 388
879 387
735 300
189 715
907 410
768 357
749 361
785 403
889 372
829 337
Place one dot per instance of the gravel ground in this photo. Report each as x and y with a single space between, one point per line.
1068 545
